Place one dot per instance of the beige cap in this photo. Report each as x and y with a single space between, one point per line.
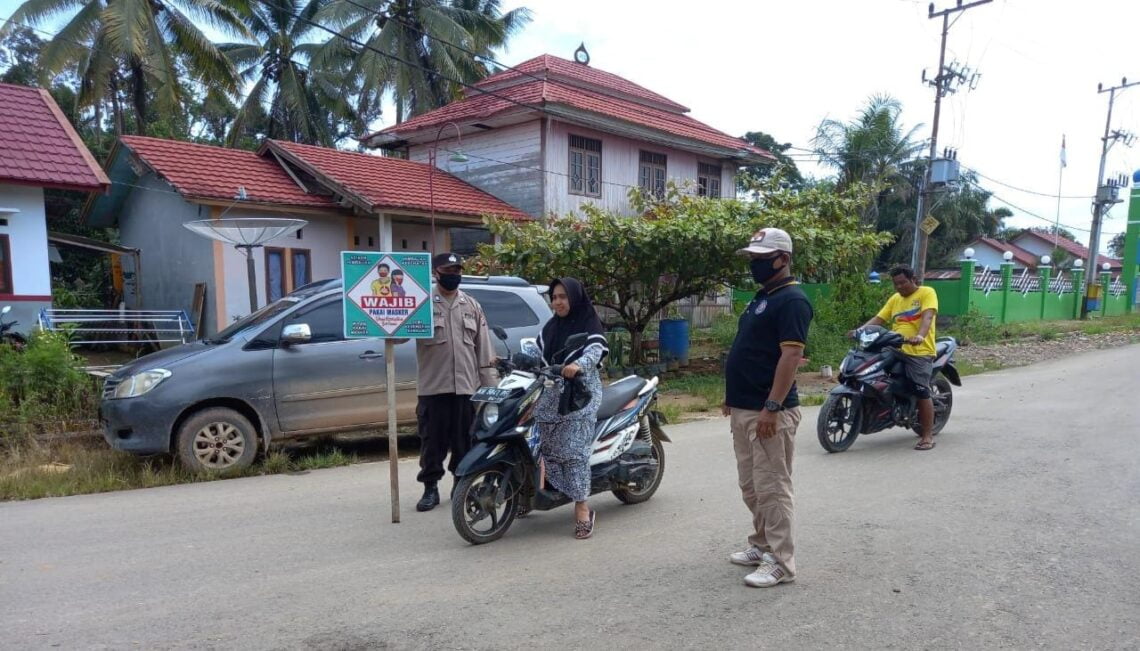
768 240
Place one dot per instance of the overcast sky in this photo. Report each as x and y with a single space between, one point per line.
781 67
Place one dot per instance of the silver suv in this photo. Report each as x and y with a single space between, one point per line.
215 403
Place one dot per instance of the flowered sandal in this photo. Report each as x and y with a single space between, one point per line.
585 528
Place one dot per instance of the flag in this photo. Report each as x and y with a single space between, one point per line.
1064 160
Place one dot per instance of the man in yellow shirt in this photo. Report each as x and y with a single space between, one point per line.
910 312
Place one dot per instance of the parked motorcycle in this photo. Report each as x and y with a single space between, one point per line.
7 335
499 478
874 394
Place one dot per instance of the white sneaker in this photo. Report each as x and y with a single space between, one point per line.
750 556
768 574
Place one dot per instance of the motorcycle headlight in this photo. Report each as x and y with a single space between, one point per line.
140 383
490 414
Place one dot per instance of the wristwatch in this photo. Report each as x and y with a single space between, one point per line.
772 405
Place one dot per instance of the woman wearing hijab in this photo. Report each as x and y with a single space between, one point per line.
567 438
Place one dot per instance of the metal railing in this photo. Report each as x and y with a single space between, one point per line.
137 327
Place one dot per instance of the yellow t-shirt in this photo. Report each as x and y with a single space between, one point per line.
904 315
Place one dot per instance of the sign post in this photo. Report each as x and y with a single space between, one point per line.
387 295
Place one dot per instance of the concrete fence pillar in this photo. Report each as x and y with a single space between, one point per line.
1045 271
966 284
1006 281
1078 291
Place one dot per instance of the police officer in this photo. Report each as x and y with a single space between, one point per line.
453 364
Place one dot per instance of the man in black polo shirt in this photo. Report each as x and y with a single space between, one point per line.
760 397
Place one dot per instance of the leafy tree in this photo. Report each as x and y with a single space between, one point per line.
1116 246
784 163
19 57
289 98
681 246
874 149
142 47
418 32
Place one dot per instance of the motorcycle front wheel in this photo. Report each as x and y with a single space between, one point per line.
484 505
839 422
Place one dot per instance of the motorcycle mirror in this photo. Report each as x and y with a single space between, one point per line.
499 332
6 309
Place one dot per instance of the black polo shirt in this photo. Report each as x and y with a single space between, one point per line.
775 316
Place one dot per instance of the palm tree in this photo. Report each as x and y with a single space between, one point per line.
291 98
444 40
874 149
141 47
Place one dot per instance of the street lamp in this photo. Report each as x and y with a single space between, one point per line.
1007 256
968 254
457 156
1045 260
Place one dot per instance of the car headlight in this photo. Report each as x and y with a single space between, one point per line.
490 414
140 383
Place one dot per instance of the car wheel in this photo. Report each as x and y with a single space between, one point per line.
217 439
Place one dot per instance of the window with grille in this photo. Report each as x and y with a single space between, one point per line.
708 180
651 173
585 166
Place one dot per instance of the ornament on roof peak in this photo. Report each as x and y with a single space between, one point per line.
581 55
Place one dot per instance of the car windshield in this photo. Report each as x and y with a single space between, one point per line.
255 320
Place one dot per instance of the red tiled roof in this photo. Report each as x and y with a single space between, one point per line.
542 95
38 146
1074 249
209 172
550 65
1022 256
396 183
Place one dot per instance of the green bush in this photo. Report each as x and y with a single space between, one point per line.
975 327
42 384
852 302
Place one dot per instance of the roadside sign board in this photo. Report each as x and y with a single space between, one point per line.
929 224
387 294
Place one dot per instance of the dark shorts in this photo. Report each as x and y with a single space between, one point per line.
919 371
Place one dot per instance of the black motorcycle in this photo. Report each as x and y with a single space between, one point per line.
499 477
874 394
7 335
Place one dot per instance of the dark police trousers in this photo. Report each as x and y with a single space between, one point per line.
444 426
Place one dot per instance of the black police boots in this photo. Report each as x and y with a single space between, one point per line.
430 500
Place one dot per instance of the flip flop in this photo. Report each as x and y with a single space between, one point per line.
921 447
585 528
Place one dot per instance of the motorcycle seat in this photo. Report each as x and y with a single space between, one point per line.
616 395
944 344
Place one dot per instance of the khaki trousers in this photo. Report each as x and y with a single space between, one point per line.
764 467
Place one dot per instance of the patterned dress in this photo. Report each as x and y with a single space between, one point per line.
567 441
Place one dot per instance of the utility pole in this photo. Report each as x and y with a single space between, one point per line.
1106 194
943 84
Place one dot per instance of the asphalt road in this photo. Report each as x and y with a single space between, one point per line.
1022 528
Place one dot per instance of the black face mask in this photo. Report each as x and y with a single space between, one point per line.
762 269
450 281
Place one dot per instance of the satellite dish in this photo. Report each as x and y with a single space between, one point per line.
246 233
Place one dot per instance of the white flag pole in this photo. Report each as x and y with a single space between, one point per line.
1060 176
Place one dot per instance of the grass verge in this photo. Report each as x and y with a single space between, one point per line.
32 472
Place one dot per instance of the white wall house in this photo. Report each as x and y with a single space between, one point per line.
38 149
550 136
350 201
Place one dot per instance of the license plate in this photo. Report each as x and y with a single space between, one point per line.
490 394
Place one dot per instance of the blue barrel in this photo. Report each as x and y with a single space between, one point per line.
675 340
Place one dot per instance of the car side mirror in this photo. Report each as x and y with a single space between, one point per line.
296 333
499 332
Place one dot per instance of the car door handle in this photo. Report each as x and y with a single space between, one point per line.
368 354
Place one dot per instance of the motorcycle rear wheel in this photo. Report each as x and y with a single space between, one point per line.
476 499
647 488
943 396
839 422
